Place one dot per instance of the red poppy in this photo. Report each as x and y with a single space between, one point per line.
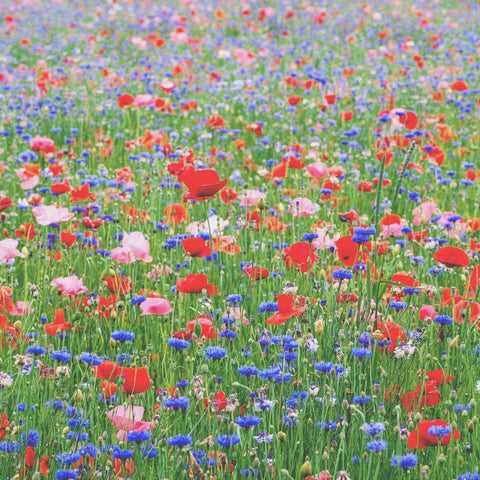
425 395
44 467
294 100
26 230
302 254
405 279
458 86
67 238
420 438
176 213
215 121
196 283
136 380
218 403
330 98
346 116
125 100
29 457
474 280
350 216
464 308
201 184
5 202
205 324
196 247
108 389
438 376
59 324
59 188
255 128
228 195
408 119
107 370
118 284
256 272
81 193
4 423
286 310
388 157
452 257
392 331
347 251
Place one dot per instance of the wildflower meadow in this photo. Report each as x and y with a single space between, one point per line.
239 239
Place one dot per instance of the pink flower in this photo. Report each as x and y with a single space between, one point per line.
423 213
244 57
48 214
427 312
155 306
145 100
135 247
392 230
317 169
217 226
250 198
302 207
40 143
69 286
28 181
8 249
128 419
324 241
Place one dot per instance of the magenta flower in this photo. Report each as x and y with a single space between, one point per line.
317 169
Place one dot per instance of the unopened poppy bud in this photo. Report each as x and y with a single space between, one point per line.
65 431
78 395
454 342
198 330
112 343
17 325
396 250
319 326
306 469
282 436
25 251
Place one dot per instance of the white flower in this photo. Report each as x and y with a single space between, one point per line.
478 386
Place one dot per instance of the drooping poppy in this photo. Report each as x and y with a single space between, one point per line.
255 272
452 257
5 202
196 283
421 438
108 389
201 184
286 310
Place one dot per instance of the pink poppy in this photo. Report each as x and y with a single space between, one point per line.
427 312
324 241
145 100
48 214
424 212
41 143
135 247
251 198
8 249
69 286
155 306
128 419
317 169
392 230
29 181
302 207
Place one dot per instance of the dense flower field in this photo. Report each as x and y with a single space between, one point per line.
239 239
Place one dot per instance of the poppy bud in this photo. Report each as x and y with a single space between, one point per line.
282 436
319 326
306 469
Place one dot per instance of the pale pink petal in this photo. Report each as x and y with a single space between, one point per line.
155 306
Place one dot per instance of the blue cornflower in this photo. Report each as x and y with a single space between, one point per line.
373 429
180 440
377 445
439 430
122 454
68 458
361 400
342 274
63 356
309 236
122 336
325 367
268 307
215 352
247 421
405 461
364 231
178 343
66 474
228 441
469 476
397 305
248 371
36 350
361 352
234 298
443 319
138 436
33 438
176 402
